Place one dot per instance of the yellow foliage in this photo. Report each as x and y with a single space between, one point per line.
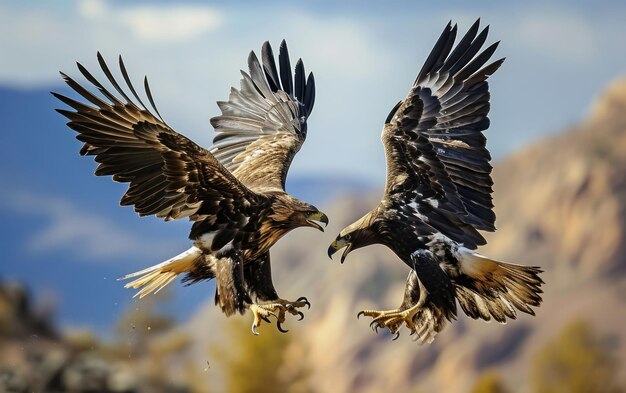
576 361
489 382
270 362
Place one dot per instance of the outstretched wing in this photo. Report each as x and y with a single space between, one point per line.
169 175
436 154
263 124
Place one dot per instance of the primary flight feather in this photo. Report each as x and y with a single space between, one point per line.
233 193
438 196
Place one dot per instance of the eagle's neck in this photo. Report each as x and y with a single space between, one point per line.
268 234
277 222
396 232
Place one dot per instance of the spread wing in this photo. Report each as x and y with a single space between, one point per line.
436 153
263 124
170 176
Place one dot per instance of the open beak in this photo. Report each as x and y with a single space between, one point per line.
319 216
338 245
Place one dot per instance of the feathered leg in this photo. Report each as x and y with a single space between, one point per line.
230 292
258 280
429 302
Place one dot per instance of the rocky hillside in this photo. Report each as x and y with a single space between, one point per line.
35 356
560 205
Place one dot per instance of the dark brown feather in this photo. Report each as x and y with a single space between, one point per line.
169 175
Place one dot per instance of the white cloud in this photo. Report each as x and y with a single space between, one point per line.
92 8
82 233
157 24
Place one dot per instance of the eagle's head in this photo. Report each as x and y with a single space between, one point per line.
310 216
296 213
359 234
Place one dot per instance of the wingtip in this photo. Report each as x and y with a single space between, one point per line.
252 57
121 61
266 47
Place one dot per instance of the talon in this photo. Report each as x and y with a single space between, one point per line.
301 315
265 318
280 328
254 330
304 300
392 320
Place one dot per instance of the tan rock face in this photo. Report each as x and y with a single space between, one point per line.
560 205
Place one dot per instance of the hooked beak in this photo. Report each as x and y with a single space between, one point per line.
338 245
318 216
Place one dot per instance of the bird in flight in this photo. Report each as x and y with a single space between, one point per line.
234 193
438 196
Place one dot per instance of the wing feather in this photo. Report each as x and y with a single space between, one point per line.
435 136
169 175
263 124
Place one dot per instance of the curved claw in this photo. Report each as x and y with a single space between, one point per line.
280 328
361 313
265 318
305 301
301 315
254 330
395 337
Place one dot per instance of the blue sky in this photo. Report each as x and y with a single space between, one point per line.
559 55
65 232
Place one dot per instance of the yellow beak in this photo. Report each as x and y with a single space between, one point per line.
337 245
318 216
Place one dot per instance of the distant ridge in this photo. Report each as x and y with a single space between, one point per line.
560 204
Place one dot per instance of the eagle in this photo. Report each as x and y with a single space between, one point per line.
234 192
438 197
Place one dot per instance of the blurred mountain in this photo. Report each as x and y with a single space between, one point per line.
322 190
561 205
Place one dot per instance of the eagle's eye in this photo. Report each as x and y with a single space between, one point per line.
348 237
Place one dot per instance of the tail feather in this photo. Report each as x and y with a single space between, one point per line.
155 278
489 289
